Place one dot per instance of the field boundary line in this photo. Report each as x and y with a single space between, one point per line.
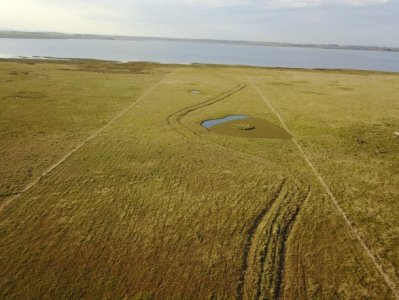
351 227
80 145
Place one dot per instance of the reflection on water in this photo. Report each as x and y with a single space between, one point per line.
209 123
246 127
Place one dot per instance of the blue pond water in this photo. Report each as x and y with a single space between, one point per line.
209 123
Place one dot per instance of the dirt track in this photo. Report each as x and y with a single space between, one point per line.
349 224
15 196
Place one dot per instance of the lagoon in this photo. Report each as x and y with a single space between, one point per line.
187 52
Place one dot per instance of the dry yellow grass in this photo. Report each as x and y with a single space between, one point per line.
155 206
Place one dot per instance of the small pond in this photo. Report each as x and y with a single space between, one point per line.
210 123
246 126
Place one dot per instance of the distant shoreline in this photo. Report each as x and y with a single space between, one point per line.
56 35
39 59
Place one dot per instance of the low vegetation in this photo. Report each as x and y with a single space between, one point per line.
111 188
243 126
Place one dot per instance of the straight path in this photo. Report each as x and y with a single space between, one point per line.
351 227
15 196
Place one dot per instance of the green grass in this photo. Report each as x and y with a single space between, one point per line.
155 206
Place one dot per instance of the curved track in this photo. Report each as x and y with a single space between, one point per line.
263 257
262 271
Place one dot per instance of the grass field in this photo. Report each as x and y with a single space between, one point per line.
110 188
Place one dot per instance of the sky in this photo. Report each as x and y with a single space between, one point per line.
354 22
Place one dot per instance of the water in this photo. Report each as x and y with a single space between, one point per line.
201 52
196 92
210 123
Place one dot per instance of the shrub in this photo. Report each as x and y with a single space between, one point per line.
244 126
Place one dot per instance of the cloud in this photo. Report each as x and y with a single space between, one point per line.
373 22
364 2
280 3
66 16
215 3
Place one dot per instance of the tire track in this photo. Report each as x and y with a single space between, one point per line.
174 119
262 271
301 290
33 183
284 238
250 237
263 257
8 194
351 227
274 283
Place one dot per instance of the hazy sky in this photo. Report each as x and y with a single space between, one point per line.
367 22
